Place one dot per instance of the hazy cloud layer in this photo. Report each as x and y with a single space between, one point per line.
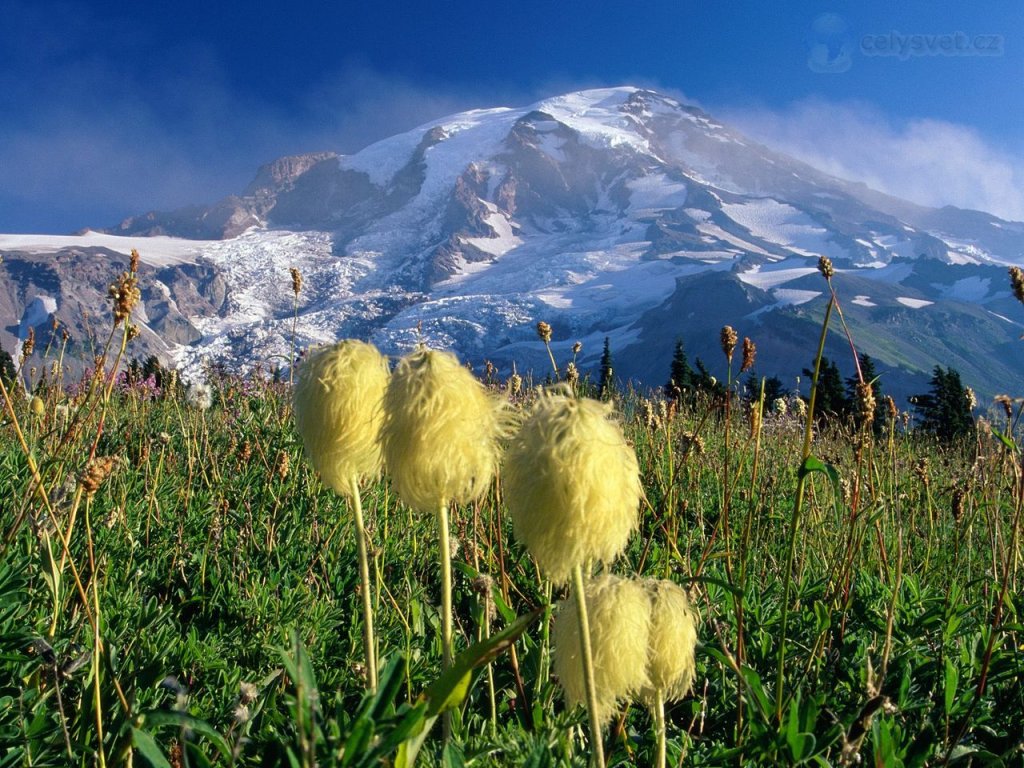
931 162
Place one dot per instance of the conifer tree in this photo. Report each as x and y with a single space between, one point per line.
7 370
945 410
607 381
681 376
831 401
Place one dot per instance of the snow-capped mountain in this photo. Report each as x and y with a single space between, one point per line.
613 212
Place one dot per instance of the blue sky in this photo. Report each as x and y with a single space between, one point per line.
111 109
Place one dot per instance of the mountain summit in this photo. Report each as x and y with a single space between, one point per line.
614 212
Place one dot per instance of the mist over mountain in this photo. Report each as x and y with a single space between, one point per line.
616 213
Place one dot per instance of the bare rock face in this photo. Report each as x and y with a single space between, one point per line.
282 173
62 297
235 214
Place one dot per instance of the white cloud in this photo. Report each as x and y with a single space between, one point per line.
931 162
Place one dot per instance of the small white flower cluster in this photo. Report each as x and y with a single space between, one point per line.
200 395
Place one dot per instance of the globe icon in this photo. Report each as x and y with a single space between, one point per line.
829 44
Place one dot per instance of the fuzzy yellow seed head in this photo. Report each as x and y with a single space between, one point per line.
440 432
338 412
673 642
619 614
572 484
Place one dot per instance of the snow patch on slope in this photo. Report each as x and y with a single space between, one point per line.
913 303
783 224
155 251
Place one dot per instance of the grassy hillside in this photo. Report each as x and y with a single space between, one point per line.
177 587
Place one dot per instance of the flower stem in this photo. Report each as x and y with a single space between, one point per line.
795 519
596 743
659 725
364 575
446 603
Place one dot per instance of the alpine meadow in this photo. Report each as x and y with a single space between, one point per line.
355 561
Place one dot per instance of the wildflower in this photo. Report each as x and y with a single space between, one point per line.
749 353
247 692
619 615
779 406
296 280
573 485
29 344
921 471
972 399
572 374
865 403
691 441
96 471
825 267
440 431
673 642
544 331
483 586
338 412
1006 403
125 294
200 396
1017 283
37 406
282 465
241 714
799 406
576 348
890 405
728 338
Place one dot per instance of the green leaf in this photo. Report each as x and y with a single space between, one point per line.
1005 440
146 744
812 464
156 719
730 588
389 684
952 677
406 757
449 689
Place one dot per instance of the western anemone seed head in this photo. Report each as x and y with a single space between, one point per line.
619 615
338 412
572 484
440 432
673 642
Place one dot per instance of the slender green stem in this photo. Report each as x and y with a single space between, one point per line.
446 603
795 519
364 574
97 648
596 742
659 725
446 586
545 640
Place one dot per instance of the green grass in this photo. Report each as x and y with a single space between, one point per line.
217 559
